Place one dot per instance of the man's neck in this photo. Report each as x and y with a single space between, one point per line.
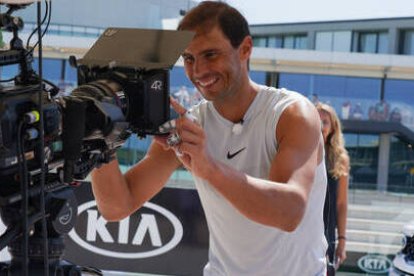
235 108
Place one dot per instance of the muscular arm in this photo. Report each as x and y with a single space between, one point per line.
280 201
119 195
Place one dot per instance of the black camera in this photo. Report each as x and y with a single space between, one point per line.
123 88
53 140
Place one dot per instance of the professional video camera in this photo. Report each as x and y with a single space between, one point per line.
48 142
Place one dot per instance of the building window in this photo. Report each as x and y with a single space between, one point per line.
401 167
8 72
295 82
260 41
71 74
399 95
324 41
52 69
373 42
66 30
297 41
363 153
339 41
352 97
408 42
275 42
289 42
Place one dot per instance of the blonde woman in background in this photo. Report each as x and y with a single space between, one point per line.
336 202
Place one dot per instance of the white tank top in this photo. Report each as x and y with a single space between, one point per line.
238 245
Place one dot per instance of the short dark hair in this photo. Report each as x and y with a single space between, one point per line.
209 14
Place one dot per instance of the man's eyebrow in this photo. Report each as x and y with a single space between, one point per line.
210 50
201 53
186 55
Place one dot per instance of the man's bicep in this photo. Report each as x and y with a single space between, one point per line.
298 136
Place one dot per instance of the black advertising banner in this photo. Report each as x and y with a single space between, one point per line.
168 235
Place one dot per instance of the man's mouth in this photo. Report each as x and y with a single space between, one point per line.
206 83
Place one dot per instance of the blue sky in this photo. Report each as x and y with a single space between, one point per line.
282 11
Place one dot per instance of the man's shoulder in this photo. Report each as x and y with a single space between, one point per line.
281 92
281 98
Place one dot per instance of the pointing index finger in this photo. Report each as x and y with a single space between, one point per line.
177 106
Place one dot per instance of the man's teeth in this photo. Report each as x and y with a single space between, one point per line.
207 83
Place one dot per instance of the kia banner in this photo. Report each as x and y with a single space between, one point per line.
168 235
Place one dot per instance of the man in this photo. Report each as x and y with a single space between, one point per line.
256 154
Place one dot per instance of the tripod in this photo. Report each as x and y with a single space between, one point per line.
61 211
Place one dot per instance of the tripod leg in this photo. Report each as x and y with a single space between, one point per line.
4 269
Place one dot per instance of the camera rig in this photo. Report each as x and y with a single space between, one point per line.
50 143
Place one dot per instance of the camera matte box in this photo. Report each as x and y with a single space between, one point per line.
137 48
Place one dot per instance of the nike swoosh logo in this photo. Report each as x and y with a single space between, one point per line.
232 155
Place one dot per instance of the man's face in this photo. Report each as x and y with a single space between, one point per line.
213 65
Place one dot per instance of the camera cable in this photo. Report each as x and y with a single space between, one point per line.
47 16
8 80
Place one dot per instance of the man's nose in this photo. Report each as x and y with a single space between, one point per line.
199 66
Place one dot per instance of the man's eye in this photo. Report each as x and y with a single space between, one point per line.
210 55
188 59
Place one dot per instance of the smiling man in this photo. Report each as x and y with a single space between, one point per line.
256 154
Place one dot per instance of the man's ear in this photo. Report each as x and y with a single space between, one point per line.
246 47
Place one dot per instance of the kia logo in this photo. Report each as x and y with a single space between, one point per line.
150 232
373 263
